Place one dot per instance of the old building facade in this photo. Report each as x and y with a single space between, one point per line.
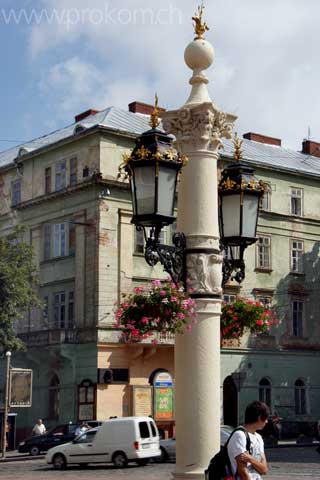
65 188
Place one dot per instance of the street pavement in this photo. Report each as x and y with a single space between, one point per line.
289 463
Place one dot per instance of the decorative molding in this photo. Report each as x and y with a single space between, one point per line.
200 126
203 241
204 273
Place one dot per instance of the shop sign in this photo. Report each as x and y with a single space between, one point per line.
163 403
163 379
21 387
141 401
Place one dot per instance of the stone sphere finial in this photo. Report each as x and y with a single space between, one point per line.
199 54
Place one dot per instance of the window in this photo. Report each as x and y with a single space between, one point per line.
296 201
59 309
15 193
86 437
60 175
139 241
266 301
59 240
297 307
264 252
48 180
71 310
265 391
300 397
54 397
229 298
47 242
144 430
72 239
73 171
45 311
297 250
265 202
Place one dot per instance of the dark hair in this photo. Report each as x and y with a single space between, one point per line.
255 410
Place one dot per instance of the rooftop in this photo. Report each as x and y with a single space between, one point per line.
118 120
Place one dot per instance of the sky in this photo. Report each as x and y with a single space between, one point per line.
61 57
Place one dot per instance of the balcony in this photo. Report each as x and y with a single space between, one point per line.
50 337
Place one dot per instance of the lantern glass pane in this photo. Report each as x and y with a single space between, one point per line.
166 190
250 212
145 189
231 215
134 209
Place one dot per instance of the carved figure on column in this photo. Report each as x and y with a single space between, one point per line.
204 272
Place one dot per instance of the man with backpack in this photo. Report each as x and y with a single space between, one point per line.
245 446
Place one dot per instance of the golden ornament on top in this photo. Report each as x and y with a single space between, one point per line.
237 147
200 27
154 118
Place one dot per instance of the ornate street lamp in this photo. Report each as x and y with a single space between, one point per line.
240 194
153 169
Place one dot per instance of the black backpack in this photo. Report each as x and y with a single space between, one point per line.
220 466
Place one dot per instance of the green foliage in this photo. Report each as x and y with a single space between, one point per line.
17 281
245 316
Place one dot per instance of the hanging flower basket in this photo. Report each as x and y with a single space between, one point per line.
162 307
244 316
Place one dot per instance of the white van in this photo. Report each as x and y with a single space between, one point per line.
119 440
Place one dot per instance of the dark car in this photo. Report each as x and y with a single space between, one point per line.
56 436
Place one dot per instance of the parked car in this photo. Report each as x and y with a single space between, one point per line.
168 446
119 440
55 436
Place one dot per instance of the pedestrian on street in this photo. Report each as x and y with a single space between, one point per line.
39 428
249 465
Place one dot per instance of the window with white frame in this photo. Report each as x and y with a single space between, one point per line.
71 309
263 252
265 300
15 193
59 310
300 403
229 298
296 201
297 250
60 178
265 391
265 202
297 315
59 240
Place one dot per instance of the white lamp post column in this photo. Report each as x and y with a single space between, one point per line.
199 127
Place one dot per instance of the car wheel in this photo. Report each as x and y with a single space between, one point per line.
119 460
142 462
34 450
163 457
59 462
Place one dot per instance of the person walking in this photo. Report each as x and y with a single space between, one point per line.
39 428
249 465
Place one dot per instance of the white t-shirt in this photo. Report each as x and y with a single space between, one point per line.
39 429
238 445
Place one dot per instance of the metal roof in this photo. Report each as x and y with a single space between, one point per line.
268 156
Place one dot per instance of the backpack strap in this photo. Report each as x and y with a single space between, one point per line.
242 429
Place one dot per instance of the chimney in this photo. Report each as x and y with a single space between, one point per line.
311 148
85 114
257 137
145 108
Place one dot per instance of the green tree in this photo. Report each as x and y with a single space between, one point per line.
18 278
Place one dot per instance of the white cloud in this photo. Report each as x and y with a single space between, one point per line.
266 68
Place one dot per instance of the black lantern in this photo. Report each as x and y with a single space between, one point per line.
153 168
239 199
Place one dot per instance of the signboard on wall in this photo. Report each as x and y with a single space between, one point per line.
86 400
141 401
163 403
21 387
163 379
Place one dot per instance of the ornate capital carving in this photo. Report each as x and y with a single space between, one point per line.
199 126
204 273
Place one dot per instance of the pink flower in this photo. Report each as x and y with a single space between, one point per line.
138 290
259 322
181 315
156 283
144 320
174 299
154 341
188 328
162 293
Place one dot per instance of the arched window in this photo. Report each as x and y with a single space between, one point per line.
265 391
54 397
300 397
